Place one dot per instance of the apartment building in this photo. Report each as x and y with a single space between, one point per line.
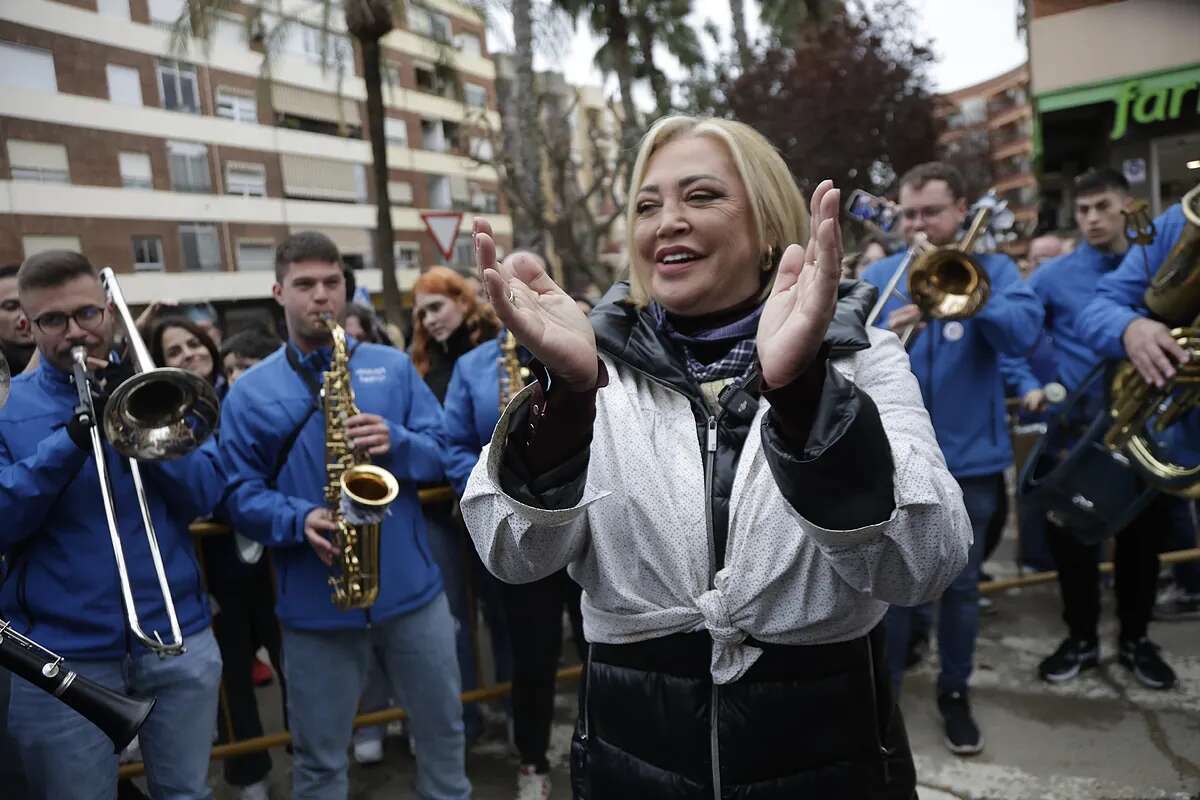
990 125
1116 83
183 162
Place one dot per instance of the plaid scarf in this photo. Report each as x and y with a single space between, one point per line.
733 364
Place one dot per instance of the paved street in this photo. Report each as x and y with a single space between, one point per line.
1102 736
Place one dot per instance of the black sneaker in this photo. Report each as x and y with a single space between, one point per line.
962 734
1142 657
1176 604
1072 657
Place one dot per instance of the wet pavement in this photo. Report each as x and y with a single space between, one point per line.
1100 736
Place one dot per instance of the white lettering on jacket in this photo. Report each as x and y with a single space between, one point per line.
370 374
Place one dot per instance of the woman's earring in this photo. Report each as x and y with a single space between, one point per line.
769 260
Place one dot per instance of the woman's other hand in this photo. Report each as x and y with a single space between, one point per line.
542 316
803 299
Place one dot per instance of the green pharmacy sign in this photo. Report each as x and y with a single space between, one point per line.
1145 104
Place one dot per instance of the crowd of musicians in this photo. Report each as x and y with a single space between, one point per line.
755 507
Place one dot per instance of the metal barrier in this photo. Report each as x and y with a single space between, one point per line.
444 493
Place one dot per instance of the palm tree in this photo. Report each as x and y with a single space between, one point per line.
664 22
367 22
527 138
737 10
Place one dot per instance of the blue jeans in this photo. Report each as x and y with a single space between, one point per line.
12 777
66 757
958 608
326 672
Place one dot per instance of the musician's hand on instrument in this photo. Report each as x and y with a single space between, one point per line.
317 525
1153 350
804 296
903 318
1034 401
542 316
369 432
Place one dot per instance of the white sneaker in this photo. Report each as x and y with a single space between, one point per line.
531 785
255 791
368 751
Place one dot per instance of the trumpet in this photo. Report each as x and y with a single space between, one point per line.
158 413
944 282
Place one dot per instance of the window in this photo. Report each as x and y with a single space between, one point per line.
237 106
973 110
439 192
166 13
135 170
147 253
475 95
27 67
424 22
248 180
395 131
408 254
255 255
485 201
307 177
38 161
114 8
201 249
400 193
40 244
177 84
468 44
464 251
124 85
460 193
189 167
229 32
481 148
433 135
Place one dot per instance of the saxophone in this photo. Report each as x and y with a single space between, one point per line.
356 491
511 374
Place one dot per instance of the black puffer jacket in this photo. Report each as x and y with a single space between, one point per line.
815 721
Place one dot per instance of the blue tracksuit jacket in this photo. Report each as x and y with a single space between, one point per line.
472 410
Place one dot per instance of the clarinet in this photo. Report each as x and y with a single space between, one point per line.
119 717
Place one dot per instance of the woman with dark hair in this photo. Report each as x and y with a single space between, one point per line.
739 474
362 324
244 593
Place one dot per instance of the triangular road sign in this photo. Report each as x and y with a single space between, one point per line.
443 227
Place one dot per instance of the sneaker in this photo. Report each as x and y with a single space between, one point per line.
531 785
1176 604
962 734
255 791
1142 657
261 674
1072 657
368 751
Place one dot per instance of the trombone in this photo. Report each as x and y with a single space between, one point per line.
944 282
158 413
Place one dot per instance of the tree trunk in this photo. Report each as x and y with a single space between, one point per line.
530 233
385 258
617 28
737 9
658 81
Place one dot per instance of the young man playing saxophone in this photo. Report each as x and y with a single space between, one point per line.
274 434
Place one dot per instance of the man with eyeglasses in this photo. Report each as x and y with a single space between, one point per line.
956 364
63 590
16 338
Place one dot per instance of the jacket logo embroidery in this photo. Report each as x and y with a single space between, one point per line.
370 374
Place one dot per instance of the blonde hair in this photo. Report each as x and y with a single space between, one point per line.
780 216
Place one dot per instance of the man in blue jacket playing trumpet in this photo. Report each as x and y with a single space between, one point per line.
956 364
62 589
273 443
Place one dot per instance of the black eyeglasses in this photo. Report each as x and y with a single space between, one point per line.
86 317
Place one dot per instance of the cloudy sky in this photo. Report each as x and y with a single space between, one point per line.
974 40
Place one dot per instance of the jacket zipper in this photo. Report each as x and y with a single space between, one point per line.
710 451
884 752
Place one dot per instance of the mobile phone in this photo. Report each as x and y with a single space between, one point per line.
863 205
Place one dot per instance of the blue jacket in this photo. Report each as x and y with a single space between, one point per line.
472 410
1118 298
1065 286
263 408
62 589
957 364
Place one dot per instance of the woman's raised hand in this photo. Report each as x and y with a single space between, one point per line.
803 299
542 316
